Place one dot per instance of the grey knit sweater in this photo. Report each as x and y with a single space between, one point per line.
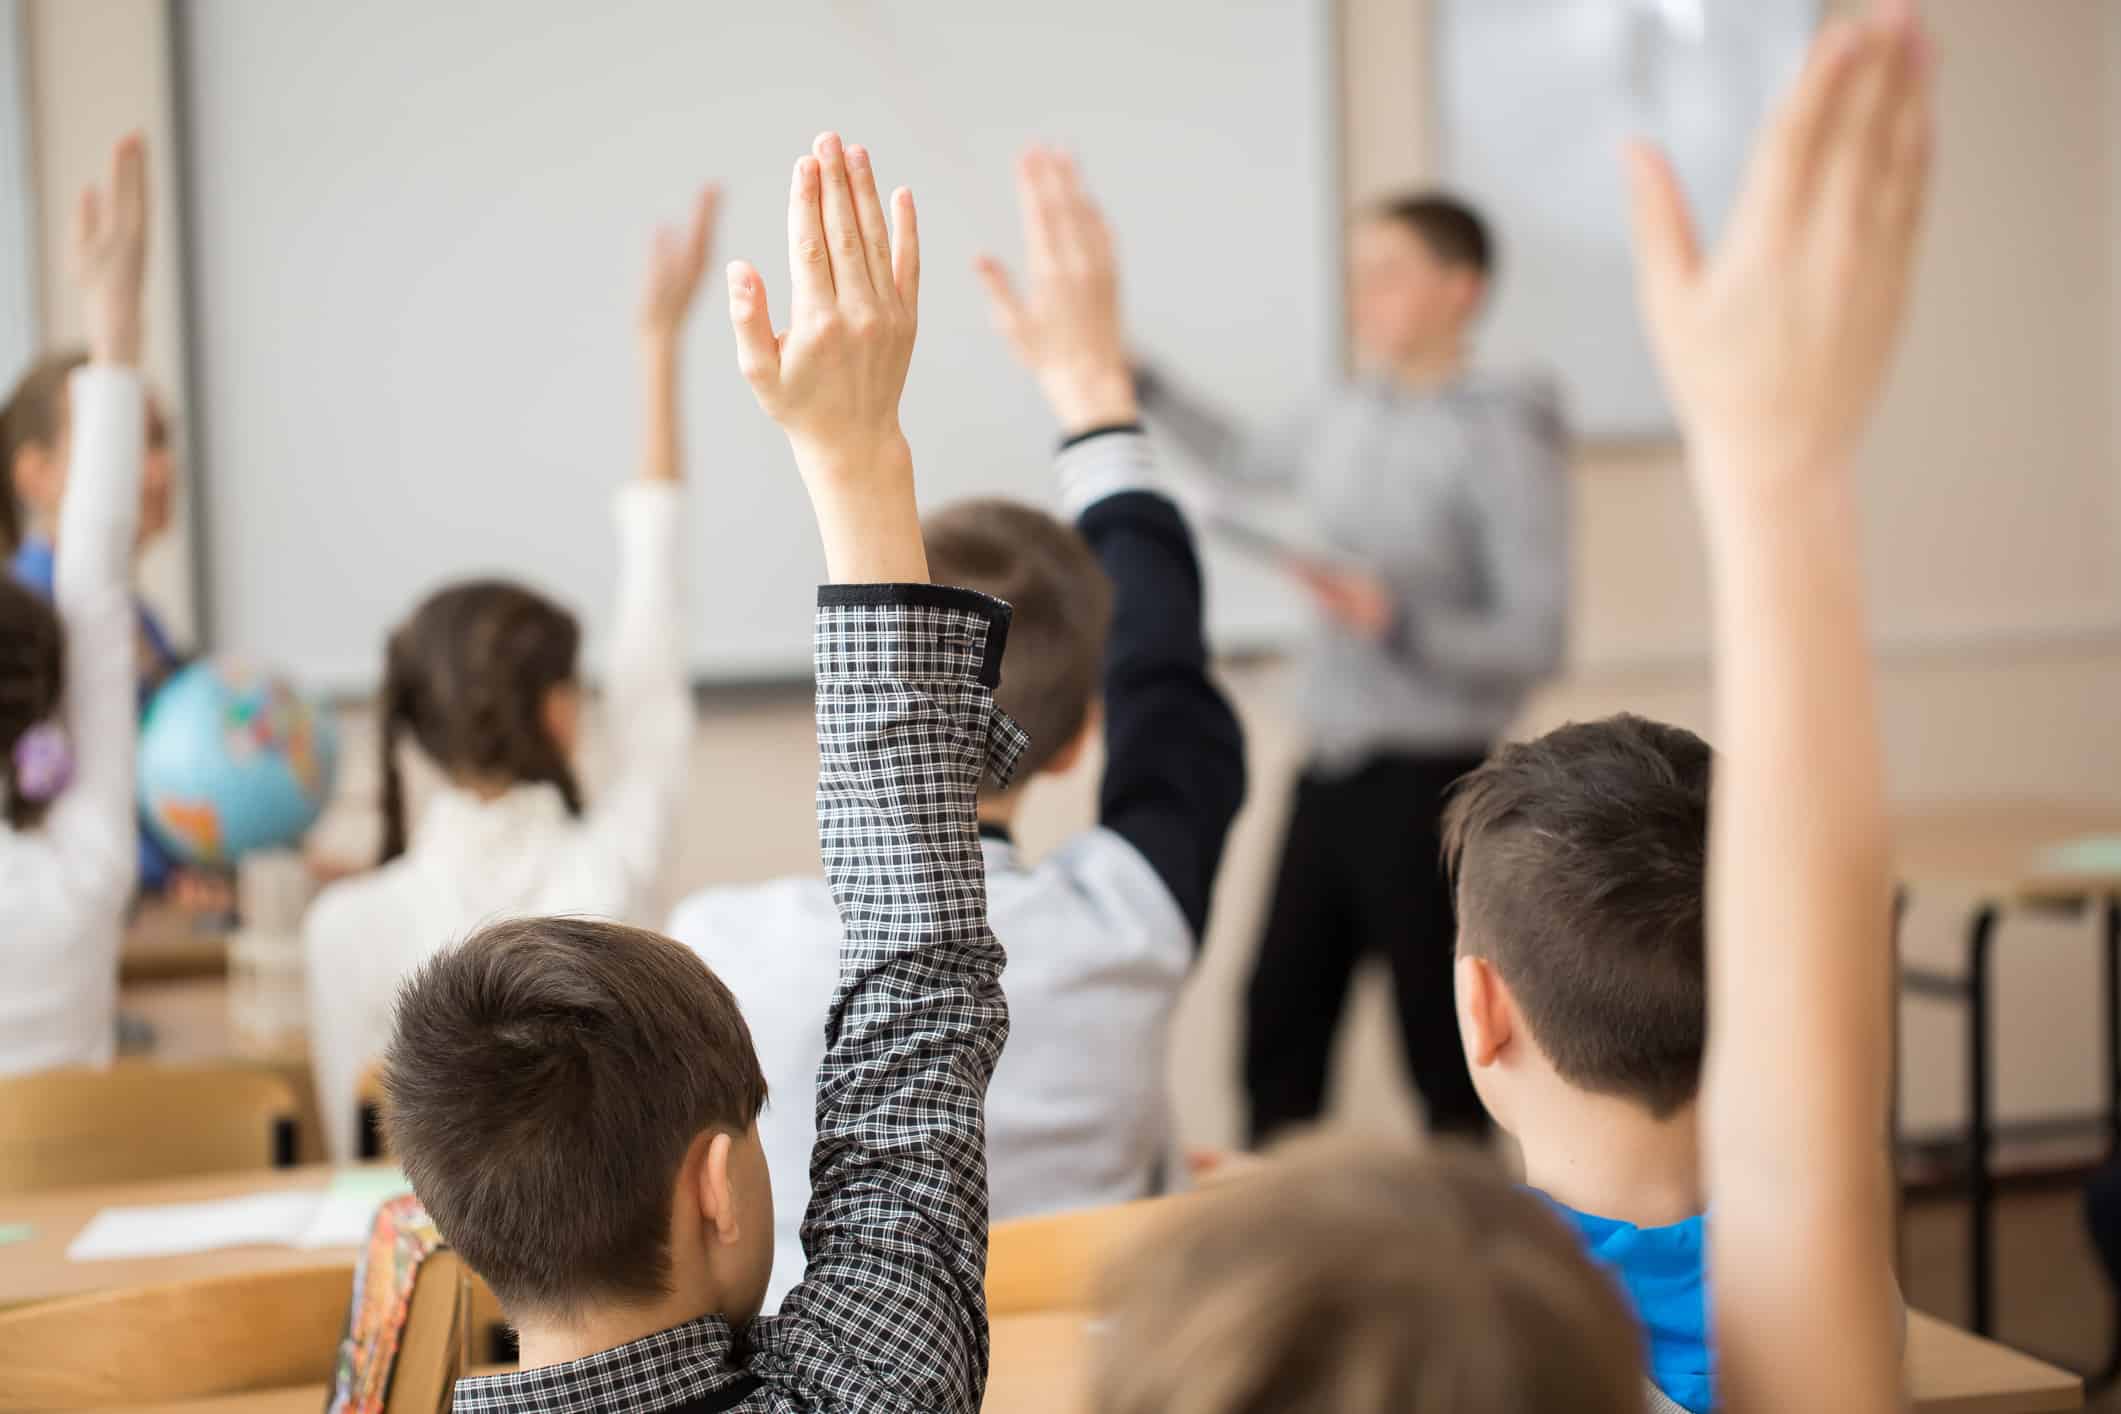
1458 498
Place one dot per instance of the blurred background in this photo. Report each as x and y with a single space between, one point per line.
495 168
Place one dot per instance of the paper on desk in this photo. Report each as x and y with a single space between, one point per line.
165 1229
2095 855
349 1207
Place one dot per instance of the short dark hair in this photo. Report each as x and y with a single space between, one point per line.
543 1082
1580 861
466 676
32 681
1452 230
1063 602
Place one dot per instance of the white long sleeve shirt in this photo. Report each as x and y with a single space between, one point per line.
65 883
471 861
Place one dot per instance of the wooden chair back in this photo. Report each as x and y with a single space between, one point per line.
372 1142
135 1121
433 1351
1052 1262
183 1340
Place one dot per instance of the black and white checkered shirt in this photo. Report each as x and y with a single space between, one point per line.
892 1312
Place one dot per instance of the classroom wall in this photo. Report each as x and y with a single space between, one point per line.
98 69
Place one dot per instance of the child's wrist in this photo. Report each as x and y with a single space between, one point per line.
1083 400
115 340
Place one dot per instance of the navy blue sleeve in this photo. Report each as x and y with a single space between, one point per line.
1174 752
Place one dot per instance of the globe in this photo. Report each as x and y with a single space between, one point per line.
233 760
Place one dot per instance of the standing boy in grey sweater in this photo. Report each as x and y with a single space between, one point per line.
1449 489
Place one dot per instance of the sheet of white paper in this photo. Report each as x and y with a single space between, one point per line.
169 1228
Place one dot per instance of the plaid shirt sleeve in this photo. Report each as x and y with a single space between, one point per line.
892 1312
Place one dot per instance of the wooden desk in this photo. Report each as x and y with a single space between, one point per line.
1041 1362
163 942
1998 849
37 1269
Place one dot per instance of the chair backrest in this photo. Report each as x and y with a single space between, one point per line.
135 1121
1052 1262
184 1340
371 1142
433 1350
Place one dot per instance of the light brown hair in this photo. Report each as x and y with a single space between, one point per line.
1350 1278
543 1082
1581 862
1063 602
467 676
34 417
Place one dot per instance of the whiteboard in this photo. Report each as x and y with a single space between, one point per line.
416 238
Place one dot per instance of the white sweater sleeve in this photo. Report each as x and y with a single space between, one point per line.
92 826
647 707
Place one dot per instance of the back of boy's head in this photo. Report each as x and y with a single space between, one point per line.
34 417
1452 230
1581 863
467 677
543 1082
1063 610
1348 1278
32 680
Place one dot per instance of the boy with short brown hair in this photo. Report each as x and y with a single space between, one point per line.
1775 346
503 1043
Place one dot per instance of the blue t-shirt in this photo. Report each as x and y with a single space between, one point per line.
33 567
1664 1272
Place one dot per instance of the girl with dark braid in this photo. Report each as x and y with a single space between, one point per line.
482 682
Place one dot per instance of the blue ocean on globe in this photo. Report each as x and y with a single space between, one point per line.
233 759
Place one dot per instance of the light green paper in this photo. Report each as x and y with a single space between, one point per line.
2098 854
11 1233
371 1187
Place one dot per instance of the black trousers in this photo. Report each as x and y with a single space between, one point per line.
1361 875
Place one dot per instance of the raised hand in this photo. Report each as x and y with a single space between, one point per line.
675 263
832 380
109 254
1774 346
1065 327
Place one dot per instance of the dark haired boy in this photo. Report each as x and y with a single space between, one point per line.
575 1102
1103 930
1581 866
1448 487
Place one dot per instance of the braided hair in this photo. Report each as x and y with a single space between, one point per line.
32 676
33 417
467 677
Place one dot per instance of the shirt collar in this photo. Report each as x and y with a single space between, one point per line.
667 1370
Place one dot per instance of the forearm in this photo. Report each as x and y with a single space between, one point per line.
1800 956
662 445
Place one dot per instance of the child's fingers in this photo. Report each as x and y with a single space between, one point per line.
701 236
1055 194
1865 157
88 219
843 231
1002 303
1789 160
1667 252
1904 189
1040 237
758 353
809 267
129 183
869 211
906 248
1079 212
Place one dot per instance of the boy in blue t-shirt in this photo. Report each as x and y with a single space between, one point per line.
1581 866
